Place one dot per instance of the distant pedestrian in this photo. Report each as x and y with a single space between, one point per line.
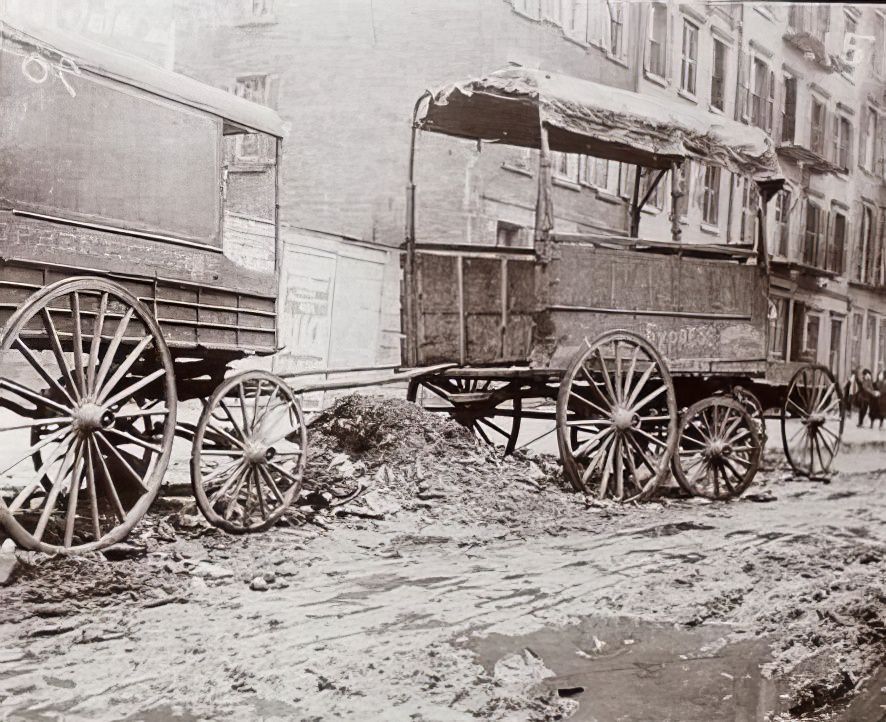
867 395
850 392
881 400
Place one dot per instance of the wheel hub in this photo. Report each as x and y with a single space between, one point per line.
257 453
719 449
89 417
815 420
624 419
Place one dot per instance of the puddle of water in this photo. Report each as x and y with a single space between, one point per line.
626 669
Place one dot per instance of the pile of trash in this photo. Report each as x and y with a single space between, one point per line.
374 456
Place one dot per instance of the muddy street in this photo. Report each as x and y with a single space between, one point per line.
447 600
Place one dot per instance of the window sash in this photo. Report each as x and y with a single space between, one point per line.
711 195
718 76
689 57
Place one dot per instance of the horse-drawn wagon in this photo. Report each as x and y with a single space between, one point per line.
651 355
135 268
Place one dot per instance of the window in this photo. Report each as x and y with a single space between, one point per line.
778 327
711 195
880 44
855 350
782 217
253 146
684 182
810 335
836 344
530 8
837 245
625 180
816 130
850 28
565 166
789 109
871 341
656 200
878 254
718 76
576 21
863 254
813 246
842 141
508 235
868 142
600 173
690 57
761 95
749 204
656 49
617 12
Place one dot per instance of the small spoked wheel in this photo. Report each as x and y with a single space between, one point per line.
617 418
719 449
88 409
812 420
249 453
752 405
485 406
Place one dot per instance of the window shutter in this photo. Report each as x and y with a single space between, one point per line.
744 70
835 139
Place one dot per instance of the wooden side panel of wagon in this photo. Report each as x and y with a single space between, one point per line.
705 315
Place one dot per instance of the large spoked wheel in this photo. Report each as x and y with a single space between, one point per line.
249 453
482 405
88 410
812 419
617 418
719 449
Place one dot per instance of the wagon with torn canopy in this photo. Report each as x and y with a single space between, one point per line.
136 266
651 354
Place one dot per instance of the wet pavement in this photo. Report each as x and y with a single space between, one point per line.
675 610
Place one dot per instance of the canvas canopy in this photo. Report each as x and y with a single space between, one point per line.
509 106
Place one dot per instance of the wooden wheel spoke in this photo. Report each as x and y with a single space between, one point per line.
607 469
142 412
241 432
29 452
619 469
137 386
258 391
629 376
111 351
649 437
30 488
637 390
613 396
802 411
241 393
618 379
34 397
124 367
594 463
285 474
37 423
238 487
55 490
126 465
93 495
594 406
135 440
834 434
262 509
479 431
225 435
586 446
494 426
35 363
642 452
78 345
73 495
97 329
108 480
648 398
272 485
234 472
56 346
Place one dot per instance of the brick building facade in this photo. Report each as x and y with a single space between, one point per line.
346 73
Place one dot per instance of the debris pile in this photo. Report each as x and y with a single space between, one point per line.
372 456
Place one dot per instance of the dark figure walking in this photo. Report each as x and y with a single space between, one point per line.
867 395
881 398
